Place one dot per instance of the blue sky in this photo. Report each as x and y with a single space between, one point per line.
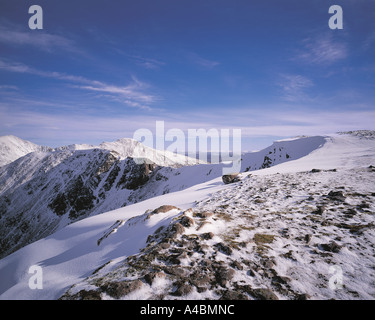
99 70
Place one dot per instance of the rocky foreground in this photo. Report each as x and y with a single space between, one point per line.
304 235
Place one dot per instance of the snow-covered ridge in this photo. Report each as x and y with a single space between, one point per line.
287 224
363 134
12 148
42 192
127 147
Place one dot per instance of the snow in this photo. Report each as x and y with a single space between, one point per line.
71 254
12 148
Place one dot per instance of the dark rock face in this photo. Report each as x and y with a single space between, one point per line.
59 205
77 199
267 162
78 196
135 175
73 184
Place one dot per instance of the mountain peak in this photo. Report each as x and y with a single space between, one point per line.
12 148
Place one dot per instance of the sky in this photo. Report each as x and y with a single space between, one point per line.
99 70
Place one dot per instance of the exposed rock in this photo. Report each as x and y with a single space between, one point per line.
187 221
175 271
164 245
164 209
279 280
150 277
268 263
308 238
183 289
176 230
267 162
336 196
78 199
223 275
319 210
303 296
252 273
122 288
230 178
263 294
203 215
176 258
356 228
331 247
59 205
199 280
350 212
236 265
207 236
224 248
233 295
135 174
206 262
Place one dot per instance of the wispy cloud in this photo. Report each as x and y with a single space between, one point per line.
48 42
293 87
283 122
203 62
147 63
324 50
8 87
22 68
134 95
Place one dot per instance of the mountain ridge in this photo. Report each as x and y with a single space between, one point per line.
42 192
287 224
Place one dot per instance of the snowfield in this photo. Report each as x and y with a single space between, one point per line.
299 225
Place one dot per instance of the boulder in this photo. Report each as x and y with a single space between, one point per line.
121 288
231 178
150 277
183 289
223 275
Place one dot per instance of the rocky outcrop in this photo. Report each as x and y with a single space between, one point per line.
182 262
135 175
231 178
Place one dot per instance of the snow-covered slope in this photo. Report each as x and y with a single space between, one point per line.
282 232
12 148
127 147
44 191
132 148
